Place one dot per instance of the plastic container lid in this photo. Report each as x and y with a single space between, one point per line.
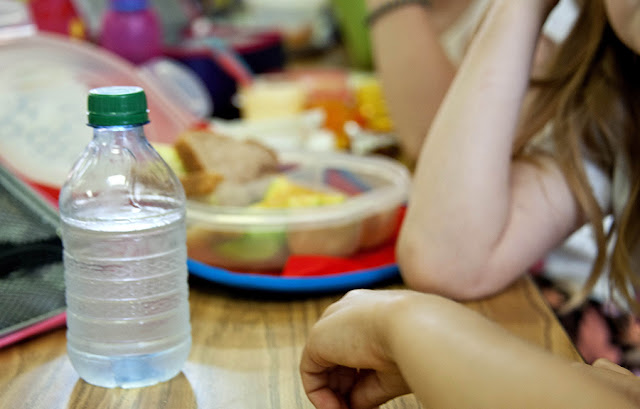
180 83
118 105
44 81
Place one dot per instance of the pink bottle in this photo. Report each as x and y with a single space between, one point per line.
131 29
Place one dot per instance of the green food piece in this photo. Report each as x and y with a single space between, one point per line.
253 246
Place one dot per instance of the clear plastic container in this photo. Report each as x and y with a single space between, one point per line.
180 83
123 229
246 238
44 80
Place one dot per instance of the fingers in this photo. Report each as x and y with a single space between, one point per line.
319 381
325 398
331 386
342 387
347 336
328 388
616 377
342 379
316 386
375 388
314 374
606 364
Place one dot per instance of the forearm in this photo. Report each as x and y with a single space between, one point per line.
461 197
452 357
413 68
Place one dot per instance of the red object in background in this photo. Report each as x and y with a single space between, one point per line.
48 193
57 16
310 265
49 324
300 265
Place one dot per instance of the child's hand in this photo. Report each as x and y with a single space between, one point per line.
616 377
345 362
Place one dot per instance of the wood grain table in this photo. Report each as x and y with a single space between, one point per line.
245 354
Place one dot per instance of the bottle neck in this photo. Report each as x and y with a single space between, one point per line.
119 133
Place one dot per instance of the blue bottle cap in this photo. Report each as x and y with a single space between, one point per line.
129 5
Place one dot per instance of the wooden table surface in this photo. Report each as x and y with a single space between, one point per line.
245 354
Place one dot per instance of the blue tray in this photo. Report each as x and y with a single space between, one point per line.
316 284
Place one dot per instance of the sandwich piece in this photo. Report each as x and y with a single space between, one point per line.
238 161
200 183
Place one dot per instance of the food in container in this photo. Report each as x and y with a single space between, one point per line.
351 204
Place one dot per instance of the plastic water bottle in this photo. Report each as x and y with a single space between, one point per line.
124 236
131 29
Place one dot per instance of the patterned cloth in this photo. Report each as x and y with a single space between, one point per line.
31 268
597 329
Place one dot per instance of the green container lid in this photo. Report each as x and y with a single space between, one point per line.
117 106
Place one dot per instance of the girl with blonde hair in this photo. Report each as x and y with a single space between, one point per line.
494 191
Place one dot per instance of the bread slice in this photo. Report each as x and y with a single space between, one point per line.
236 161
200 183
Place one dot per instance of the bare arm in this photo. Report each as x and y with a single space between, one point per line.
372 346
493 368
413 68
477 219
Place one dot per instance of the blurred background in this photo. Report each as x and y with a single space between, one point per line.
240 37
291 74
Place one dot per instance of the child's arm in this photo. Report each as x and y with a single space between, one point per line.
372 346
476 219
413 68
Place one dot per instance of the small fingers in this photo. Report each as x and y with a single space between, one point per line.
374 389
325 384
330 389
606 364
325 398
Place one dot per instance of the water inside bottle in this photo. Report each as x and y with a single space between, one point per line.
127 296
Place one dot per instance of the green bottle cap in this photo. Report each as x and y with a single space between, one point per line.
119 105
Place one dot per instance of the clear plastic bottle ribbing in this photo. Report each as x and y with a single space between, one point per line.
123 230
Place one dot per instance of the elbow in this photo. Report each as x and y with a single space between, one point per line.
442 273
